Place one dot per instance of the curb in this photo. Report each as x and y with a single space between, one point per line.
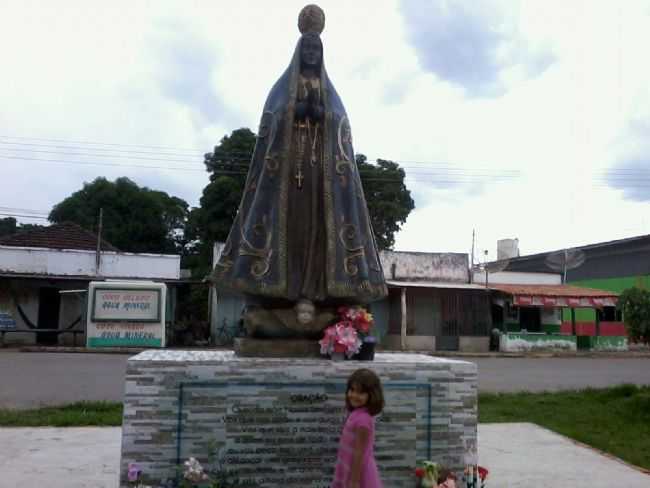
457 354
105 350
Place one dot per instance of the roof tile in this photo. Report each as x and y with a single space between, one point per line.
66 235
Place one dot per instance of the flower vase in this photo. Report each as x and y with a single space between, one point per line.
367 350
337 356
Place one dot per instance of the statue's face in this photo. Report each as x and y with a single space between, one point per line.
310 52
304 313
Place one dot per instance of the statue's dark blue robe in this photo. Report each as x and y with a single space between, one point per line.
312 242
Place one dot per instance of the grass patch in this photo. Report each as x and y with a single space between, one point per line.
80 414
615 420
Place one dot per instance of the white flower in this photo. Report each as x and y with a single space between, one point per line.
194 471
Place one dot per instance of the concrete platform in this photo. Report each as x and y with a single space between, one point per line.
75 457
523 455
518 455
276 421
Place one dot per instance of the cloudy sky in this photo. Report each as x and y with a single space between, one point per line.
527 119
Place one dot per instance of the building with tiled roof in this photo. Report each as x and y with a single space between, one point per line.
45 274
66 235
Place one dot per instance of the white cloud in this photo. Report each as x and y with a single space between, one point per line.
531 162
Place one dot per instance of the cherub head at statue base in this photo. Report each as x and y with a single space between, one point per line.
304 320
305 311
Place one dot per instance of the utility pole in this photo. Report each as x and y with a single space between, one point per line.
471 264
98 254
486 268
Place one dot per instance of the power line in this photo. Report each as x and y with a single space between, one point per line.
100 155
454 174
426 177
243 173
23 210
24 216
459 177
95 143
239 155
86 163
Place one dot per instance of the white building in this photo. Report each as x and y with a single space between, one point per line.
45 272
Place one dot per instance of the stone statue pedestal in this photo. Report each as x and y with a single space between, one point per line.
276 422
247 347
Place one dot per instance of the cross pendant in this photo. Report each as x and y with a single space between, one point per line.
299 177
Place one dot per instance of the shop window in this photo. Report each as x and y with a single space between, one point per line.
610 314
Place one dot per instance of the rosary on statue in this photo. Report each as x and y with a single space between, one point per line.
305 132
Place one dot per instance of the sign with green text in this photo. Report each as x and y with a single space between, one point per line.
126 314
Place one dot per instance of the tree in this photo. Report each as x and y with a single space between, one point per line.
135 219
232 156
7 226
635 303
389 201
211 221
228 165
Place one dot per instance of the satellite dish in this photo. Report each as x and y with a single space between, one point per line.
562 261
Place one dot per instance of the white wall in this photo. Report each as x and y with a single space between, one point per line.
432 266
70 262
26 294
518 278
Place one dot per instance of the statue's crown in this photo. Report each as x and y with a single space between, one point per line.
311 19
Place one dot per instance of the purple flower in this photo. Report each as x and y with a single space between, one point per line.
134 472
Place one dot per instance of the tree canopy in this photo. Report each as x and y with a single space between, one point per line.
389 200
635 303
9 226
135 219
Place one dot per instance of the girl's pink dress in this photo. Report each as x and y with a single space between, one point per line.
369 472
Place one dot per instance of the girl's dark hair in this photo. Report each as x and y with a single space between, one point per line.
444 475
369 383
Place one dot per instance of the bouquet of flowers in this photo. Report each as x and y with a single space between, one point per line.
427 474
347 335
432 475
340 338
357 317
475 476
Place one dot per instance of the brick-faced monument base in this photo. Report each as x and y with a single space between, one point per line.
275 422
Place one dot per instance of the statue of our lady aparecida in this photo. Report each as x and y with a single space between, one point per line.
301 243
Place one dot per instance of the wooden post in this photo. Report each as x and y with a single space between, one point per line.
98 254
573 321
403 328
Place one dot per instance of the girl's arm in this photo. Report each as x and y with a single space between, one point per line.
361 436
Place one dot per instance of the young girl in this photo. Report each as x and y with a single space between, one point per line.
355 466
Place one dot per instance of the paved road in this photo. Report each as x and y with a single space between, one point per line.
34 379
552 374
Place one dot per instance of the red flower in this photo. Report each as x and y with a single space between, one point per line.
482 473
363 326
338 347
419 472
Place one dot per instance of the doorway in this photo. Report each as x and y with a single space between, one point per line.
530 318
49 307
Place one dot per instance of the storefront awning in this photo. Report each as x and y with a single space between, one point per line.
557 296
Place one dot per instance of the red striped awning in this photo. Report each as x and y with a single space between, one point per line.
552 296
